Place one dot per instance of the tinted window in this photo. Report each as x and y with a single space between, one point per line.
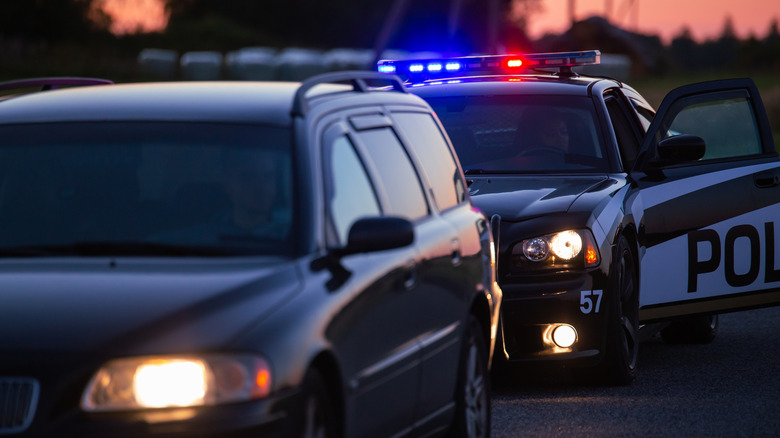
644 114
435 156
398 177
111 188
725 121
624 133
351 195
523 133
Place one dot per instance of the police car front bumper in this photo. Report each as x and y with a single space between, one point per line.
534 307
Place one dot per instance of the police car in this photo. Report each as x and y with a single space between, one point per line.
612 216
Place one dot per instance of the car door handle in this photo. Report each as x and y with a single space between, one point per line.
767 179
410 277
455 254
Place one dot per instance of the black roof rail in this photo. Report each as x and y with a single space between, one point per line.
358 79
52 83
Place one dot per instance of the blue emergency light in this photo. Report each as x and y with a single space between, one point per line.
416 70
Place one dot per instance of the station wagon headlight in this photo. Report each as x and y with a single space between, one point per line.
176 381
570 249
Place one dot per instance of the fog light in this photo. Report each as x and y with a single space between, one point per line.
564 336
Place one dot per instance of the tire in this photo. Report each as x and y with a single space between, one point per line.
622 337
317 417
699 329
472 404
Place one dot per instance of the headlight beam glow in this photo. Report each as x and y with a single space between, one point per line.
153 382
174 383
560 337
566 244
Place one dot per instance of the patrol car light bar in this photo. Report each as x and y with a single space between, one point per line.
425 69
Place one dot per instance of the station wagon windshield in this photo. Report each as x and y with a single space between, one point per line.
523 134
143 188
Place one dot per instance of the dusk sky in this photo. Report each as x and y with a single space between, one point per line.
132 15
665 18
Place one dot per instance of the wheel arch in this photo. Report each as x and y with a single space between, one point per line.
630 233
480 310
326 364
621 335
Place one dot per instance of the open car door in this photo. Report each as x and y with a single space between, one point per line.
707 203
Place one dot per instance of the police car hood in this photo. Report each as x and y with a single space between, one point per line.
517 197
136 307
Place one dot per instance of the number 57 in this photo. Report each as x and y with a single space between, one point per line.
586 301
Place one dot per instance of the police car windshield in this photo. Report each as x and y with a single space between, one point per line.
523 134
145 188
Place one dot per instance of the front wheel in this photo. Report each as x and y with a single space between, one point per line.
622 347
316 413
472 404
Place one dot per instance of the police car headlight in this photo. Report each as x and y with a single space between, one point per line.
566 245
176 381
570 249
536 249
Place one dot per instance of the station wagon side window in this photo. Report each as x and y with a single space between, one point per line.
431 148
725 121
350 194
398 177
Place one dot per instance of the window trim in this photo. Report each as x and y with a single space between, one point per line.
329 135
418 164
627 110
374 173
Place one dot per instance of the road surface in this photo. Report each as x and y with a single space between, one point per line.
729 388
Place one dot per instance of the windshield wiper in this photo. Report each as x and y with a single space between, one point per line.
113 249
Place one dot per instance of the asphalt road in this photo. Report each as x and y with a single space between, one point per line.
729 388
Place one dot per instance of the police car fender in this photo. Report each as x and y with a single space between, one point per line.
608 219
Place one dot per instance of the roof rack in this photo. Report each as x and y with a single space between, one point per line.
52 83
358 79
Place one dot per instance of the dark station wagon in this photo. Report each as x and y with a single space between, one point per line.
239 259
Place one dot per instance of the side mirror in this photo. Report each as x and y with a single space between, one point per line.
378 234
680 149
366 235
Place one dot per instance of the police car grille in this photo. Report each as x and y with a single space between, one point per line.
18 400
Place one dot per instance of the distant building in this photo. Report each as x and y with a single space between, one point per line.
645 52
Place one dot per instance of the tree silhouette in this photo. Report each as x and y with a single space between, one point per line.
683 50
291 22
455 26
726 48
51 20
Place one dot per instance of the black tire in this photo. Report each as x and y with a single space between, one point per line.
699 329
472 404
622 347
317 417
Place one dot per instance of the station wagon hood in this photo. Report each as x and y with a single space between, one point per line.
143 307
516 197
